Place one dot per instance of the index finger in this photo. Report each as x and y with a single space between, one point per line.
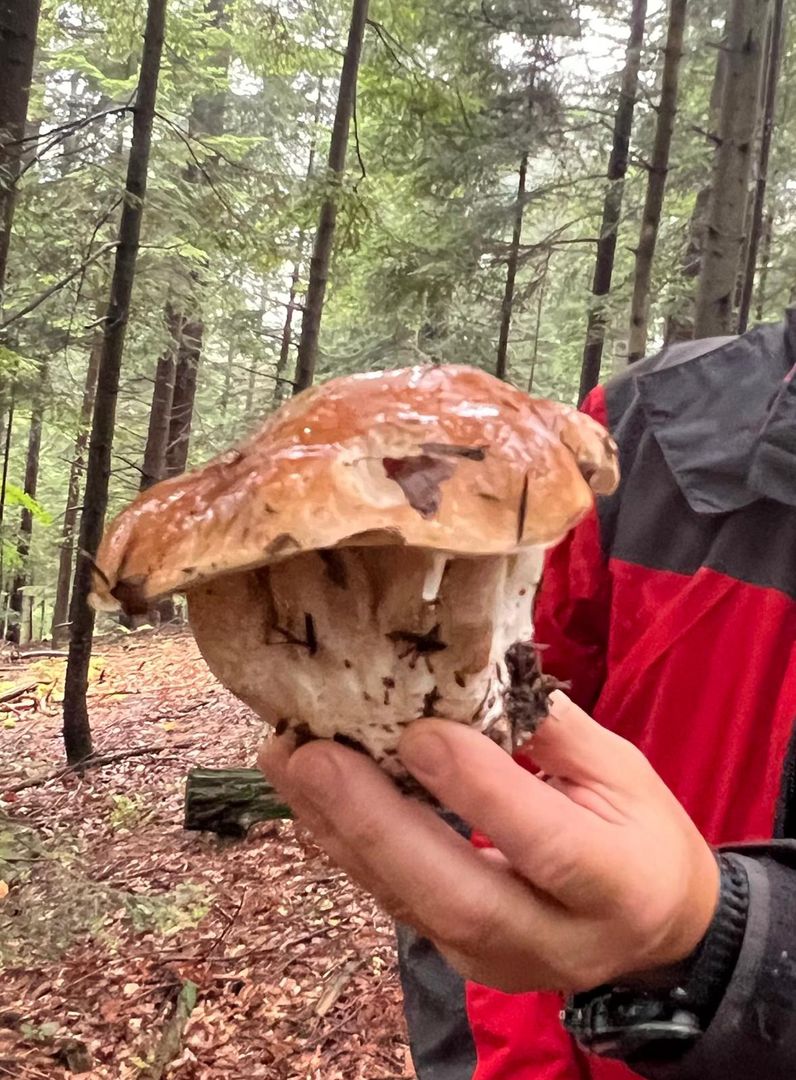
418 867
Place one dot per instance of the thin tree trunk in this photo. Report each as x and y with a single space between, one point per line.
19 21
612 205
77 733
324 237
769 108
157 441
16 602
746 27
281 381
60 623
227 391
538 328
656 181
501 365
3 486
765 258
7 453
287 338
206 119
182 406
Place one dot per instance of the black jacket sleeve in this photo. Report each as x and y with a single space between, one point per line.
753 1034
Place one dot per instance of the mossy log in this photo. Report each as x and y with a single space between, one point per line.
229 801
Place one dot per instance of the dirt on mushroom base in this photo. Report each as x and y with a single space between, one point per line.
295 968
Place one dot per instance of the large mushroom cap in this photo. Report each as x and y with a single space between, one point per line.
445 458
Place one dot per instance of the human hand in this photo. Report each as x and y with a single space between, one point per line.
597 871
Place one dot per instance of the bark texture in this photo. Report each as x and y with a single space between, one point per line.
19 21
746 29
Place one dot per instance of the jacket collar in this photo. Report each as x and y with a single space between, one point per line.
724 414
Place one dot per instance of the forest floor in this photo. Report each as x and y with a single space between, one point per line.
109 910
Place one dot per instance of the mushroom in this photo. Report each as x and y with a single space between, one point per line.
372 554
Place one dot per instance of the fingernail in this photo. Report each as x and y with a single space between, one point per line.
316 773
424 753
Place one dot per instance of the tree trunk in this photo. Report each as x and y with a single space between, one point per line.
207 118
7 453
680 323
324 237
281 381
60 623
19 21
229 801
157 440
16 602
746 28
542 286
188 356
765 258
501 366
769 108
612 205
656 181
77 733
3 485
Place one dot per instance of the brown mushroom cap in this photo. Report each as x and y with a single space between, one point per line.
446 458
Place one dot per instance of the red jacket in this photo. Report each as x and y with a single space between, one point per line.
672 612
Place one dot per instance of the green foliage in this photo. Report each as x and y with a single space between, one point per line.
15 496
127 812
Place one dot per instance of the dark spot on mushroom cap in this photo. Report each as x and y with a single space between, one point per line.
420 478
347 663
472 453
459 678
389 682
522 510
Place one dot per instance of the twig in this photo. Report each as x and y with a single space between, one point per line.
40 299
99 759
230 923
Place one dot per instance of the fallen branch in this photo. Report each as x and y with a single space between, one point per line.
38 654
335 987
96 760
169 1046
17 691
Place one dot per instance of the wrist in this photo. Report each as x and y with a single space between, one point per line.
661 1013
